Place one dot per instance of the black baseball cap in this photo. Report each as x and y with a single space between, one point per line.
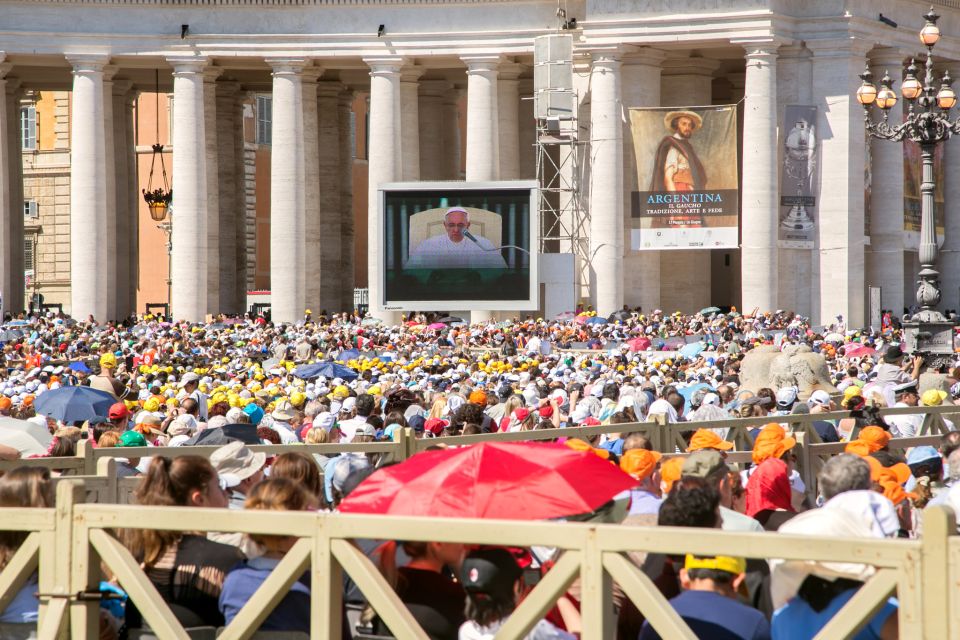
490 571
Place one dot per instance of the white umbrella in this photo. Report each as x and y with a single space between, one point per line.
29 438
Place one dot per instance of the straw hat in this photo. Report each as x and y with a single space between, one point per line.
673 115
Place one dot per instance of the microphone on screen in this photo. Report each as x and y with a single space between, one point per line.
469 236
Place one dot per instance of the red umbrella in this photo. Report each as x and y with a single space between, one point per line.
508 480
639 344
859 350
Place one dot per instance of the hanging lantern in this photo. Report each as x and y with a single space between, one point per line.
158 199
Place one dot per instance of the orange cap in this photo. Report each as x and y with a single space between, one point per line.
579 445
5 403
891 479
870 439
640 463
771 442
477 396
707 439
670 472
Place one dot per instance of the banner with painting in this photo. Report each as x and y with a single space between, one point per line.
687 173
911 195
798 178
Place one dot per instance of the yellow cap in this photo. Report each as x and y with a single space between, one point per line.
736 566
933 397
108 360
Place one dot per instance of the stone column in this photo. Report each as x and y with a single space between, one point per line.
884 258
796 279
949 256
189 272
483 140
430 129
451 134
288 226
483 137
527 132
328 181
212 213
110 239
410 123
315 244
508 108
133 199
759 205
641 88
229 197
88 191
347 149
606 189
123 216
11 192
836 66
383 166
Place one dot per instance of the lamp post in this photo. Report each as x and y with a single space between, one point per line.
927 123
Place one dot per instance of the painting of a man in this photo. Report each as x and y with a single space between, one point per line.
457 248
676 165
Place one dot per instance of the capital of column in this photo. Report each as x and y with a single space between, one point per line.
411 73
434 88
766 48
607 57
644 56
482 63
329 88
211 73
346 97
121 86
690 66
87 63
510 71
109 72
386 66
187 65
4 67
839 48
888 57
287 66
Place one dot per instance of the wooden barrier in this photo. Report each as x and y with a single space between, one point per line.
69 544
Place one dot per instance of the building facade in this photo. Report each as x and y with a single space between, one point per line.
416 64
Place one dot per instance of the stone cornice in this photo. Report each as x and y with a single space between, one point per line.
257 3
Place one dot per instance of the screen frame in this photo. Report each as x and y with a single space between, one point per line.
532 303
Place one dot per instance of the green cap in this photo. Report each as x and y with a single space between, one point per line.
703 463
132 439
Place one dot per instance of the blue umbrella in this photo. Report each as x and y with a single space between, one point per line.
75 404
348 354
79 367
687 392
326 369
596 320
692 350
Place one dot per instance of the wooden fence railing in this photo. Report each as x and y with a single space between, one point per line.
72 544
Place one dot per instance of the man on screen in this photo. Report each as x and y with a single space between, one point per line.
457 248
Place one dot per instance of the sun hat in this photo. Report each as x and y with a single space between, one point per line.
670 472
707 439
283 411
703 464
235 462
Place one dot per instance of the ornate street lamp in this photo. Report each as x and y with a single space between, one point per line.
927 123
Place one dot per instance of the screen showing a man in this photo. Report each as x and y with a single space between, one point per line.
458 248
448 243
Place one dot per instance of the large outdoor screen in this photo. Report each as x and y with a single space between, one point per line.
458 246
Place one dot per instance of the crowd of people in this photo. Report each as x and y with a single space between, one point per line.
237 382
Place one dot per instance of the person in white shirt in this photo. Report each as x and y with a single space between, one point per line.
457 248
282 414
905 426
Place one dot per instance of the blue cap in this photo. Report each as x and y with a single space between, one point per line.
922 454
255 413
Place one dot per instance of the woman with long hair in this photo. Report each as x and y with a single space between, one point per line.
302 471
23 487
292 613
186 568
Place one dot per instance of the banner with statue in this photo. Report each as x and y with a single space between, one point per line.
799 185
911 195
688 195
